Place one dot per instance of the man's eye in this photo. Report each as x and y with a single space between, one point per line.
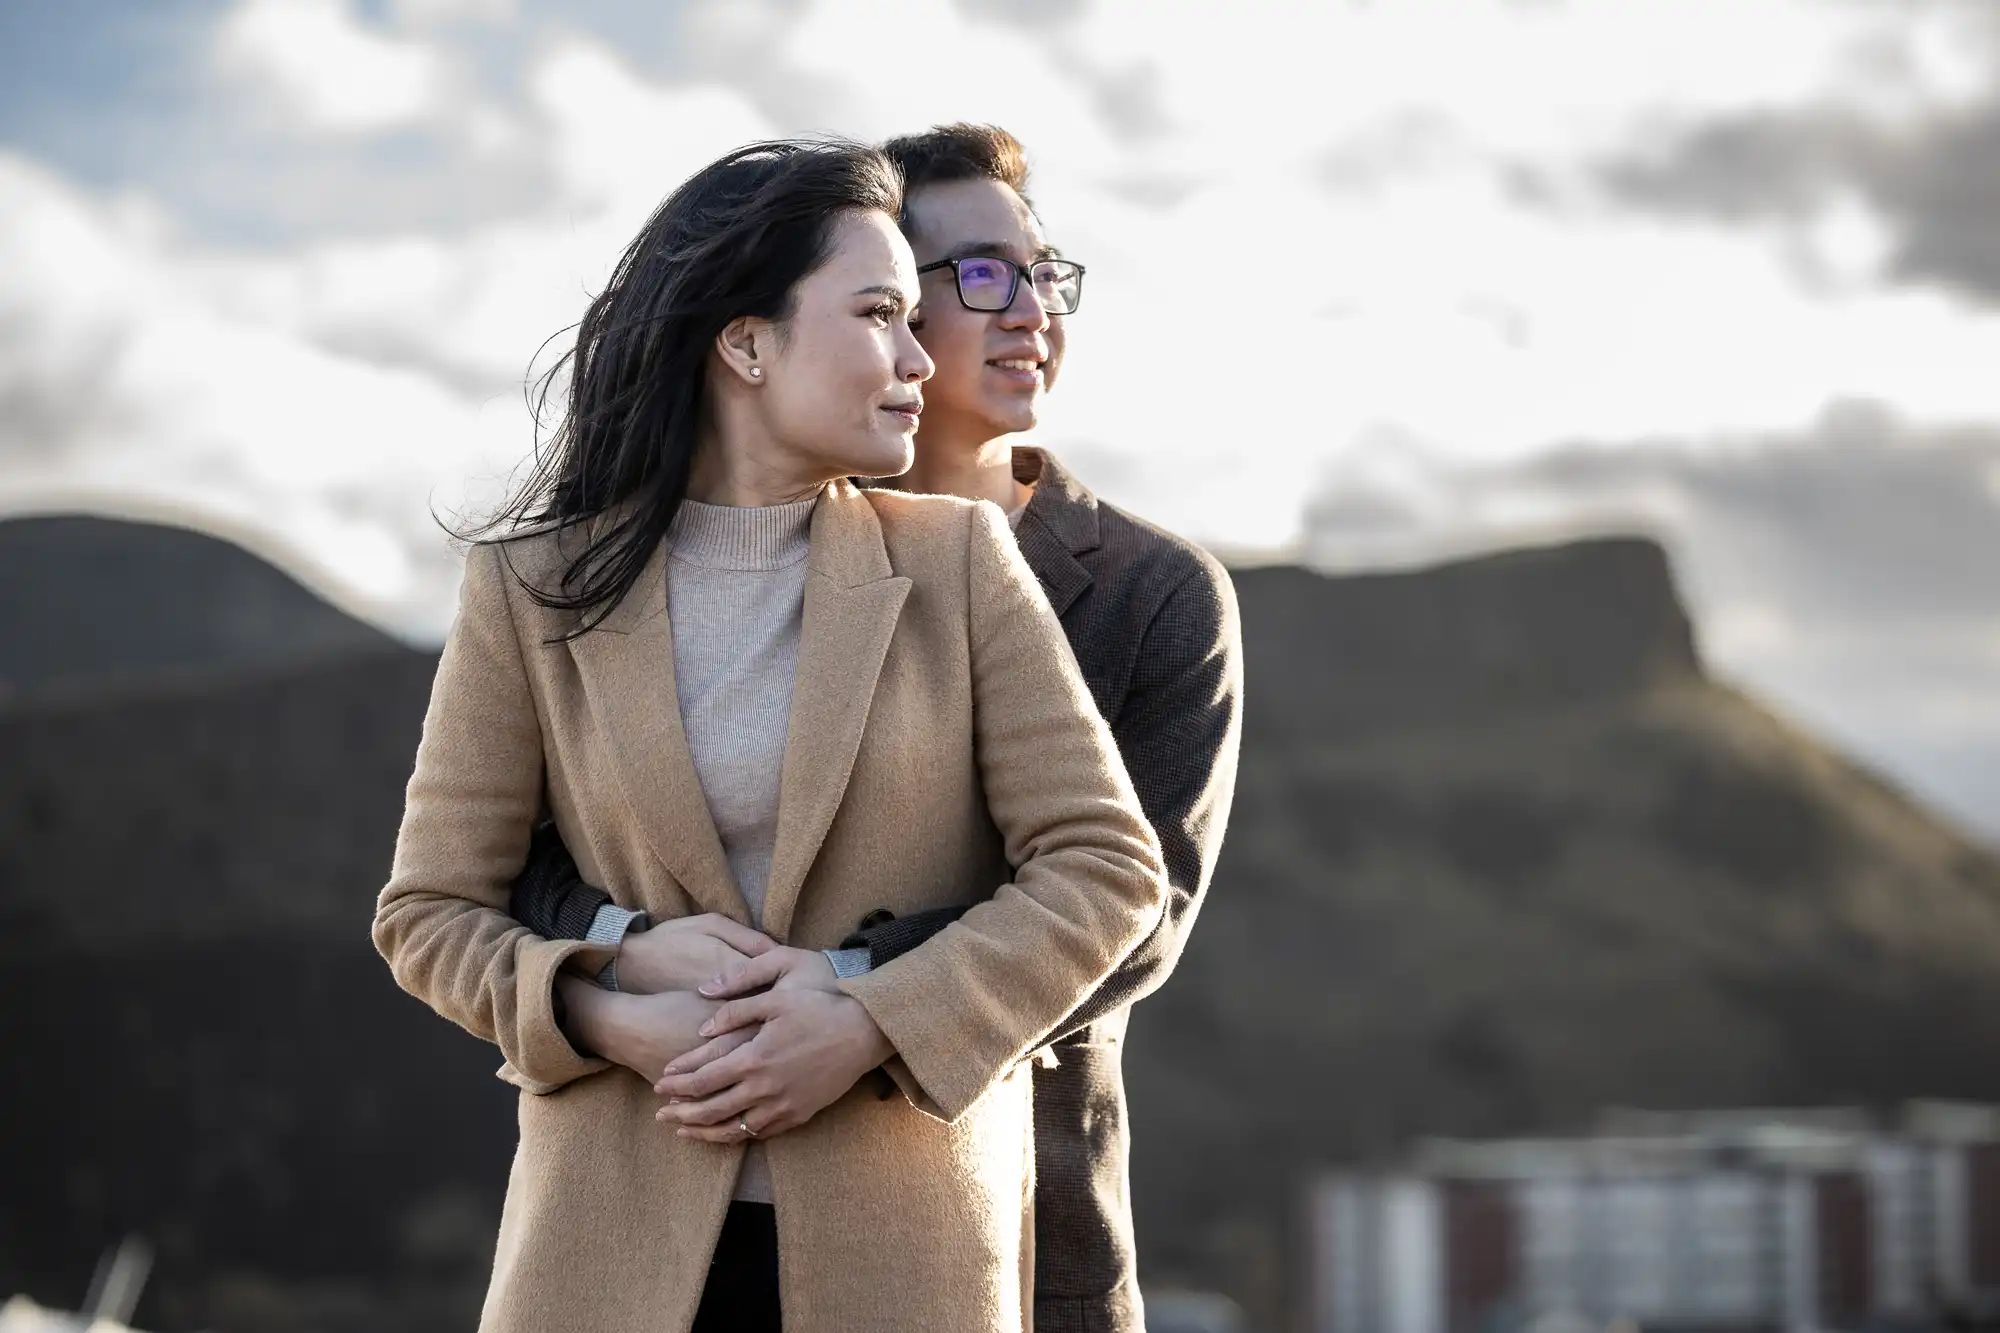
980 272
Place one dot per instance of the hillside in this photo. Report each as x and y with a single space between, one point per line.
90 604
1501 854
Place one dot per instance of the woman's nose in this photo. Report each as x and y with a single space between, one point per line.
917 365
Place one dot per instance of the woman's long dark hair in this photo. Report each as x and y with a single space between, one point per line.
735 240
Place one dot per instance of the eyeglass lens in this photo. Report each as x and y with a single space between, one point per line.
988 284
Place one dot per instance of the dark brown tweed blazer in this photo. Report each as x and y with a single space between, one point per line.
1152 621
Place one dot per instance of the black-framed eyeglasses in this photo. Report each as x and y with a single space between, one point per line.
988 283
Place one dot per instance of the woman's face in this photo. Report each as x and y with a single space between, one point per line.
841 392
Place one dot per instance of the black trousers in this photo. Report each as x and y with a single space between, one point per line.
741 1295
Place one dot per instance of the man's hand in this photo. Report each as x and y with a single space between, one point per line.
642 1032
682 953
779 967
811 1048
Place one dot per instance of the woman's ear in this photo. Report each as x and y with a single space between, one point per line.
745 345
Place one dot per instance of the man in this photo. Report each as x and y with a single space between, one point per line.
1152 621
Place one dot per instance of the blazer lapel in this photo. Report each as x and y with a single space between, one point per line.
1060 573
853 601
627 668
1059 524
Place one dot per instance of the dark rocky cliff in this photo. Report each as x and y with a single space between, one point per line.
1501 855
1336 659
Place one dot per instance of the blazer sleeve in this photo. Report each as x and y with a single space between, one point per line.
968 1005
442 922
549 897
1180 732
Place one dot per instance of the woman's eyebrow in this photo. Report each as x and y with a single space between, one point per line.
882 289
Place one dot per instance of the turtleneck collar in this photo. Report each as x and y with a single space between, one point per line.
727 537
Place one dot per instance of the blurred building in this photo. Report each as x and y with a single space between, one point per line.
1738 1220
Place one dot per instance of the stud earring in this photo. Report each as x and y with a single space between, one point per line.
756 372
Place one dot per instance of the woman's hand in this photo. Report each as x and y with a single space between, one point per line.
780 967
680 954
642 1032
810 1047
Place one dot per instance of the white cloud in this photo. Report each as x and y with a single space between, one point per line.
427 13
472 309
620 143
328 68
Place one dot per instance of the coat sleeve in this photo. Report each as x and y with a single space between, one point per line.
968 1005
442 922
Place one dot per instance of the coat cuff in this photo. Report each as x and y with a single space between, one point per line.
903 1081
540 1059
939 1078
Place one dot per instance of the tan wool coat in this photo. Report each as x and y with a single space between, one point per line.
942 749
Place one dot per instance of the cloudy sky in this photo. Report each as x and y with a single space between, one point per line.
1369 282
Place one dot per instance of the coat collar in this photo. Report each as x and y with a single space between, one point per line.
853 600
1059 524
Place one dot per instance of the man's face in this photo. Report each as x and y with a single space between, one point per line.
992 366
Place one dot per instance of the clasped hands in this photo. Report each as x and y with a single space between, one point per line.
731 1028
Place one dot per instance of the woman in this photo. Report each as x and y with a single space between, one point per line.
742 687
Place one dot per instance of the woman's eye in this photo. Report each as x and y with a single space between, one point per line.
885 313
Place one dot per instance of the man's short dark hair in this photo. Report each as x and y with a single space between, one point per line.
958 152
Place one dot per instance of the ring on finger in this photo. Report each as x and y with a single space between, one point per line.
743 1123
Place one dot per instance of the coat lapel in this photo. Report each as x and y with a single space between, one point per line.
627 668
853 601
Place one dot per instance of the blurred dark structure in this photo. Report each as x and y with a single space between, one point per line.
1502 855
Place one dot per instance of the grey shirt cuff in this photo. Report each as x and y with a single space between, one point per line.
848 962
610 926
